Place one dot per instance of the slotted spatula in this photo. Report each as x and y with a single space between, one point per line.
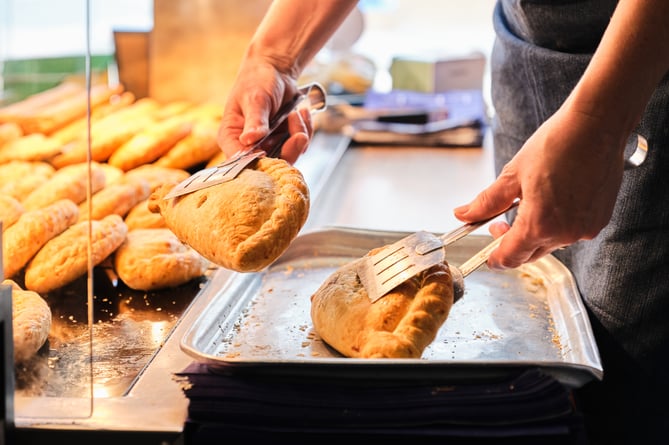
311 96
396 263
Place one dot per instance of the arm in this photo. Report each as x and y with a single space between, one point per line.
289 36
568 173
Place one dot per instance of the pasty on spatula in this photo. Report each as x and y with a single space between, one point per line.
401 324
243 224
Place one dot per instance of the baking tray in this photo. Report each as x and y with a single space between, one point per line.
509 320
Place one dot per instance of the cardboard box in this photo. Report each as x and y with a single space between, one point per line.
438 74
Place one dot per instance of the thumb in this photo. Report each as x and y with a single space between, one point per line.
493 200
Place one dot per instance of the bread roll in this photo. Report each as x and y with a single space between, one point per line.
401 324
65 257
151 143
32 147
157 175
79 128
23 239
140 217
10 211
117 198
109 133
196 148
243 224
9 131
31 322
69 182
151 259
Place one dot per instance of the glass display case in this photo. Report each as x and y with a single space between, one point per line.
106 367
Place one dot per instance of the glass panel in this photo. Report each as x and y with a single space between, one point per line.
101 335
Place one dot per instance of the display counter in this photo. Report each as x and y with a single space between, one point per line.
384 188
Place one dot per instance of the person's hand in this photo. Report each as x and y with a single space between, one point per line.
567 176
258 93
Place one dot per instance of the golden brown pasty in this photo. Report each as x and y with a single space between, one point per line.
117 198
10 210
140 217
152 259
399 325
23 239
243 224
65 257
31 321
69 182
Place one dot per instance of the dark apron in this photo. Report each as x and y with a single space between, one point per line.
541 50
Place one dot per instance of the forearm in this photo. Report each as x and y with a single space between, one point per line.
630 61
293 31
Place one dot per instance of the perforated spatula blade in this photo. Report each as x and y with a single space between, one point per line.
398 262
312 96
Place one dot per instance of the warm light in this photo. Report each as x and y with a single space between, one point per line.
100 392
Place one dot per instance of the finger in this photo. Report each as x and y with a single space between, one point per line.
520 244
498 228
256 111
228 138
308 121
299 137
492 200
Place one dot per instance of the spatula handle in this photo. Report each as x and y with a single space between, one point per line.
479 258
468 228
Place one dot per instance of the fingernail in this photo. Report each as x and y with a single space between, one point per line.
461 210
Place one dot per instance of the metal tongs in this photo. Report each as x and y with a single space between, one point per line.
312 96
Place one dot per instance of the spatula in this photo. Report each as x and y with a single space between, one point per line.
477 260
398 262
311 96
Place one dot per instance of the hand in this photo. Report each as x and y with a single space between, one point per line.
257 94
567 176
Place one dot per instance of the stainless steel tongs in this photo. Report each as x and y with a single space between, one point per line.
312 96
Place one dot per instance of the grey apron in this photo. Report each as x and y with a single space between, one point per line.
542 48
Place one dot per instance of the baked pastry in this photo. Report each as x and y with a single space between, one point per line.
196 148
19 178
151 259
117 198
112 174
69 182
140 217
243 224
53 109
10 210
9 131
109 133
157 175
31 147
23 239
401 324
79 128
31 322
25 109
151 143
65 257
14 171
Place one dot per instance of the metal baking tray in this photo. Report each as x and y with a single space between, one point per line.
527 317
